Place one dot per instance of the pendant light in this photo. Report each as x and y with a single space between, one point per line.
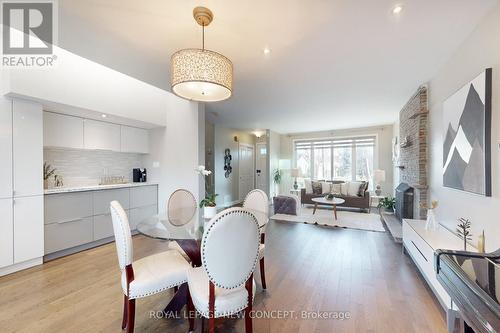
200 74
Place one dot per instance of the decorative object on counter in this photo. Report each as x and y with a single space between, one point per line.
388 203
329 196
467 137
227 162
48 171
431 223
113 180
58 181
378 178
395 150
463 229
295 173
481 243
209 203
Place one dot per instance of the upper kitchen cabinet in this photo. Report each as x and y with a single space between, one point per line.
134 140
62 131
101 135
27 148
6 148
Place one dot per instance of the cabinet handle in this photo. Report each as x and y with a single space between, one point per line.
419 251
69 221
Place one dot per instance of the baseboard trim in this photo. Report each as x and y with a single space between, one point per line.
21 266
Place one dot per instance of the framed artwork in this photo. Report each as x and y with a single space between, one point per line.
467 137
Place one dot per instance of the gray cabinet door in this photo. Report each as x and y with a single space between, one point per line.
61 236
136 215
104 197
143 196
103 226
67 207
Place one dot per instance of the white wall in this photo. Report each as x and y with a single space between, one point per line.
228 188
383 151
479 51
176 148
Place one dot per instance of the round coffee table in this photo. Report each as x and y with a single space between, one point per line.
323 201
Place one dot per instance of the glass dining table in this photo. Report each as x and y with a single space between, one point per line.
188 236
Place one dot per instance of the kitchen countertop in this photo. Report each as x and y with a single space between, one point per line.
68 189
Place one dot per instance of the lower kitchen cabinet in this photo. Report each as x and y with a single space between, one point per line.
28 228
6 233
64 235
136 215
103 226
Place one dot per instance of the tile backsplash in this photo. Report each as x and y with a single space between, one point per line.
86 167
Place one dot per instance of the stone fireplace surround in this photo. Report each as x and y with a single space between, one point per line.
413 149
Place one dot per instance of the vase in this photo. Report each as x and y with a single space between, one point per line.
431 223
209 212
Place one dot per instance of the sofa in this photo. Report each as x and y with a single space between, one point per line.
351 201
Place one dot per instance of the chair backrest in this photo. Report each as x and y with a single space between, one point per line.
230 247
181 207
258 200
123 237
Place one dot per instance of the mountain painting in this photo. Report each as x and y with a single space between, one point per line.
467 137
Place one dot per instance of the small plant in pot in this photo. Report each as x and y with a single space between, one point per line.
388 203
209 203
48 171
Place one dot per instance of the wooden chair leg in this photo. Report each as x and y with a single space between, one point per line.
262 273
125 305
202 324
211 308
190 308
248 310
131 316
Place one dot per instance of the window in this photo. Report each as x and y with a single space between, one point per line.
337 159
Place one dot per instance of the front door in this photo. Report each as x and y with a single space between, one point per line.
246 169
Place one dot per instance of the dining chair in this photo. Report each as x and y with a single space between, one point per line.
258 200
181 208
224 284
146 276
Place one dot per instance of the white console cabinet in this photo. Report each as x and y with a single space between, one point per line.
421 244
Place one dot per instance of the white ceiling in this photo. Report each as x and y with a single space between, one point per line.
333 64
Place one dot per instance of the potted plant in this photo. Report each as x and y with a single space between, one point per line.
277 180
388 203
208 204
48 171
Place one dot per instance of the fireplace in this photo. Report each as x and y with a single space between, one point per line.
404 201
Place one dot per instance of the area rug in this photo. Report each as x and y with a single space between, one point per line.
345 219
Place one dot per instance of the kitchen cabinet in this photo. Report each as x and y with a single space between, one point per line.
6 233
62 131
66 207
134 140
27 148
28 228
5 148
143 196
103 198
101 135
67 234
137 215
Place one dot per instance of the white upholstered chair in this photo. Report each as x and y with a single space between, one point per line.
224 285
181 208
258 200
146 276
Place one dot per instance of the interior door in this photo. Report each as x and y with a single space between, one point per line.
260 166
246 169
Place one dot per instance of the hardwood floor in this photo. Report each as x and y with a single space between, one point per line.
308 268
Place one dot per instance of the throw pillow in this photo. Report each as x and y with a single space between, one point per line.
362 189
343 188
353 188
317 188
308 186
326 187
336 188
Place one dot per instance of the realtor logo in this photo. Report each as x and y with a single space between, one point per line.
35 20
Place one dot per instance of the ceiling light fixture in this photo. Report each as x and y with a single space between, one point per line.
397 9
103 115
200 74
267 51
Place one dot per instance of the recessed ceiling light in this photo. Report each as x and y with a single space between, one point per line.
267 50
103 115
397 9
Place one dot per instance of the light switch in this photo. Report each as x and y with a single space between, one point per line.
156 164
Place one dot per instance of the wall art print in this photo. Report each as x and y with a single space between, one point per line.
467 137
